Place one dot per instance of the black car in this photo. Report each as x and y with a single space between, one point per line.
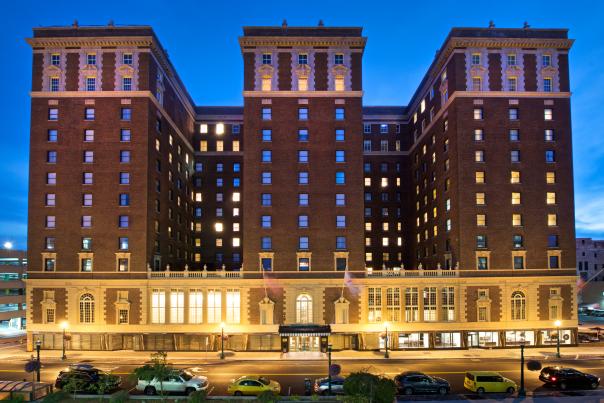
565 378
86 378
410 383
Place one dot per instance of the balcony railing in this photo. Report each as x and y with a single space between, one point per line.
195 274
411 273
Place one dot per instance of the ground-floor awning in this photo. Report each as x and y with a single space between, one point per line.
304 330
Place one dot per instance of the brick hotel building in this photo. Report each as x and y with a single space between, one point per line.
302 217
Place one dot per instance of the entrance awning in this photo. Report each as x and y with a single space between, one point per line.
304 330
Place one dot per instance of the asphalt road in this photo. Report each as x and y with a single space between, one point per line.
290 374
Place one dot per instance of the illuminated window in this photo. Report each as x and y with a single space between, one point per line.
476 84
478 135
304 311
550 177
195 306
515 197
479 156
518 305
203 146
481 220
384 182
303 84
339 83
87 308
203 128
266 83
513 113
367 181
479 177
480 198
177 306
517 220
515 177
548 114
233 306
214 302
514 135
219 128
218 227
550 198
478 115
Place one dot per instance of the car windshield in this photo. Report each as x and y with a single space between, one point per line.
264 380
187 376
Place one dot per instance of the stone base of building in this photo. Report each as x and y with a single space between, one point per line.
202 342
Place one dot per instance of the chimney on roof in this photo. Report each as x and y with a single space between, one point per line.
491 24
284 24
75 23
321 23
526 25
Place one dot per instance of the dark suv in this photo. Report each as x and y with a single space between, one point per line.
86 378
565 378
410 383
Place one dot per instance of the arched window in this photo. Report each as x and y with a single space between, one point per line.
87 308
518 306
304 309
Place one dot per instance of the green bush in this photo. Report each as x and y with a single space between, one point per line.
363 386
121 396
267 397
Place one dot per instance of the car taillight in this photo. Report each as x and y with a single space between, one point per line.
554 378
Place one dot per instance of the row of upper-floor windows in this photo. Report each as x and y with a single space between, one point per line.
123 221
266 178
266 243
303 221
480 178
91 84
124 156
512 59
338 58
481 198
513 135
303 113
384 226
123 243
50 199
513 114
125 114
512 84
124 178
518 261
219 128
517 220
480 156
91 59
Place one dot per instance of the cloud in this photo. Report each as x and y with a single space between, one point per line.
589 214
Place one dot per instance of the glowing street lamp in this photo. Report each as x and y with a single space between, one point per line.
558 324
222 341
386 355
64 325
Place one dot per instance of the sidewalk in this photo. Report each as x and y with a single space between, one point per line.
18 353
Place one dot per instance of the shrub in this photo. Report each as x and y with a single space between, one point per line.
198 396
121 396
267 397
56 397
369 387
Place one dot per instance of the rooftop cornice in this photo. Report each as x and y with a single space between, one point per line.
302 41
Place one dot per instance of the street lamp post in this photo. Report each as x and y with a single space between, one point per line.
64 326
329 369
222 341
38 345
386 355
558 324
521 391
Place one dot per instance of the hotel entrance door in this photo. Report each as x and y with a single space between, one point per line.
303 343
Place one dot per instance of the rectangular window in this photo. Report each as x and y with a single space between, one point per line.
266 243
233 306
89 114
266 113
479 156
267 58
123 243
158 306
393 304
90 83
366 145
476 84
303 114
549 135
550 156
266 178
518 262
266 199
512 83
54 84
340 221
302 221
127 83
515 197
124 221
303 156
266 155
340 156
550 198
195 306
513 114
49 264
303 199
547 84
86 221
52 136
515 156
367 128
481 241
341 242
53 114
552 241
55 59
478 135
482 263
303 178
429 304
479 177
267 135
340 114
374 304
514 135
546 60
339 134
303 243
214 306
548 114
515 177
124 156
478 115
340 199
303 58
411 304
303 135
475 59
87 199
126 114
51 157
125 135
448 303
124 178
266 221
86 265
127 58
340 178
338 58
87 178
517 220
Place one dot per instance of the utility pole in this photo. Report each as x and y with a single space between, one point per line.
38 345
521 391
329 369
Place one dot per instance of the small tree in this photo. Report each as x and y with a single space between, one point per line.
74 385
364 386
158 369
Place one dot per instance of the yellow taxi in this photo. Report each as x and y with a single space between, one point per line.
488 381
252 386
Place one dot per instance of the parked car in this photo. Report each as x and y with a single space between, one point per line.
488 381
178 381
565 378
252 386
410 383
321 386
86 378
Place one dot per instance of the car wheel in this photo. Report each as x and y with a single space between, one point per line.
480 391
408 391
188 391
511 390
238 393
594 385
150 391
442 391
563 385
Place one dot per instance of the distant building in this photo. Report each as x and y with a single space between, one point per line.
303 217
13 267
590 259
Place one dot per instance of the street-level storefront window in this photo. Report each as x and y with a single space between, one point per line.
518 337
548 337
447 340
413 340
483 339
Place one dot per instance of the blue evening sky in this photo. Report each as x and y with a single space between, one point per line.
201 38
